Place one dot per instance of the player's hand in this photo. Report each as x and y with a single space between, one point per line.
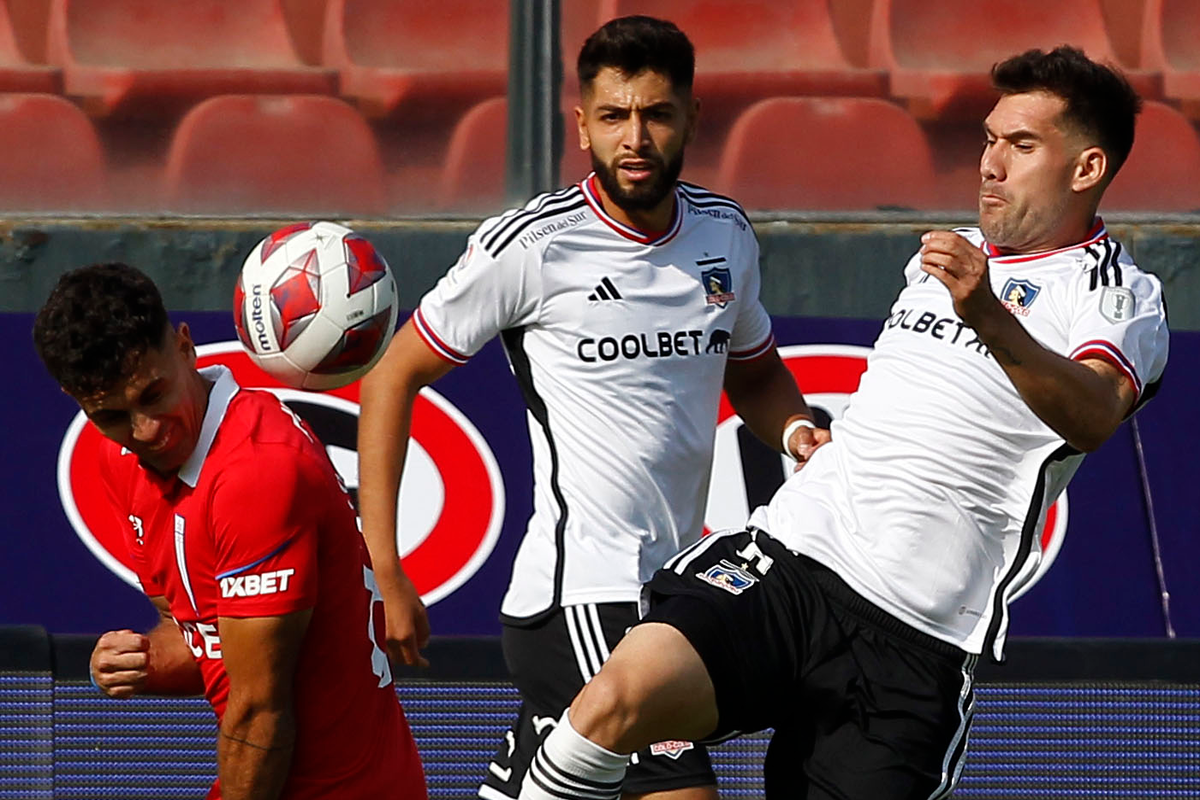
963 268
120 663
407 621
804 443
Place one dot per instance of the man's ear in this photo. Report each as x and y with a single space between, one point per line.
1091 169
585 141
183 339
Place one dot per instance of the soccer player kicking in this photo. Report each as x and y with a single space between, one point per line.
850 614
245 541
625 303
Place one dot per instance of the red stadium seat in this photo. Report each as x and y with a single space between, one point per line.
940 52
827 153
156 57
750 49
18 73
1171 43
1163 170
441 55
50 158
285 153
473 178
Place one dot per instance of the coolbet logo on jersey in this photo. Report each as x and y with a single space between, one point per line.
451 504
659 344
746 473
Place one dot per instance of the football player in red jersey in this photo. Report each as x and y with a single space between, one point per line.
244 538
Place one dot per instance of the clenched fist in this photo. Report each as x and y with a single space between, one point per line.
120 663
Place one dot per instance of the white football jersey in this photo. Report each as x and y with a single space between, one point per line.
619 341
928 499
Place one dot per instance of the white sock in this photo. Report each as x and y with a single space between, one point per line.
569 765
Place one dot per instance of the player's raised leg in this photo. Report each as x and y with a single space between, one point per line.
654 687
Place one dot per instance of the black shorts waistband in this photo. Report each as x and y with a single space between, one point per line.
840 593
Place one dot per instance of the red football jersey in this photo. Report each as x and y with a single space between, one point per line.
257 523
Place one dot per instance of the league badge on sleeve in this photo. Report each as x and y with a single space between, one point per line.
718 283
1116 304
1018 295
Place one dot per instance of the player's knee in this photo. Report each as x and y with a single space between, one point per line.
609 709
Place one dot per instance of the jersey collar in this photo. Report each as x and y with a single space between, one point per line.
592 195
222 392
1096 234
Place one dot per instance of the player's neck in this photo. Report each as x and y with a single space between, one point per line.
1068 235
650 221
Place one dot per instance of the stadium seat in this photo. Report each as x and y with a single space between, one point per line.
751 49
50 157
1163 170
473 178
940 52
442 56
157 57
286 153
18 73
1171 43
827 153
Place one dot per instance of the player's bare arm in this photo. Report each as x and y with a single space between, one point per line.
254 744
387 396
125 663
1083 401
765 396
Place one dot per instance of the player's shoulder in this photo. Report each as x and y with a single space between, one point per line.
710 206
259 429
535 222
1107 263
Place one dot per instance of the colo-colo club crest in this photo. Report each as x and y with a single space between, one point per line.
746 472
451 503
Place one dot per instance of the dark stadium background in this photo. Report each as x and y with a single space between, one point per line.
392 115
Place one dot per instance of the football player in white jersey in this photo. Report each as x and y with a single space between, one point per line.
625 303
851 612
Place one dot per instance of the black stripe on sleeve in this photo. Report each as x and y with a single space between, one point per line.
549 213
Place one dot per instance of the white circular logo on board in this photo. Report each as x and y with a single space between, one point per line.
451 505
746 472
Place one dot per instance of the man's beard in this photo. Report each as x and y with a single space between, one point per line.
641 197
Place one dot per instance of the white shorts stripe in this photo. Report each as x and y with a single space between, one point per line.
585 671
489 793
684 558
951 766
598 631
587 636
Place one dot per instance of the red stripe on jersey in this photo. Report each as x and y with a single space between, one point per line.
440 348
1108 352
759 351
1096 234
587 185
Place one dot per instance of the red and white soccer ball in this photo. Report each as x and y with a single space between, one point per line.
315 305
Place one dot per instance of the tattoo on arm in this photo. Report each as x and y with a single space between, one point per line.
1009 356
285 746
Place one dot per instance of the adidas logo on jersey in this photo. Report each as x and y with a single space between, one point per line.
605 290
254 585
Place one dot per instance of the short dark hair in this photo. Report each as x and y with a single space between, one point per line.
98 321
636 43
1100 102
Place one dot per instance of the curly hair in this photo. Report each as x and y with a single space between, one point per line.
96 324
633 44
1100 102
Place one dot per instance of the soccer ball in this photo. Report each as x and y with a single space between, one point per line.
315 305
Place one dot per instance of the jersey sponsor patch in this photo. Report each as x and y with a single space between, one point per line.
1117 304
256 584
729 577
718 283
1018 295
671 748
